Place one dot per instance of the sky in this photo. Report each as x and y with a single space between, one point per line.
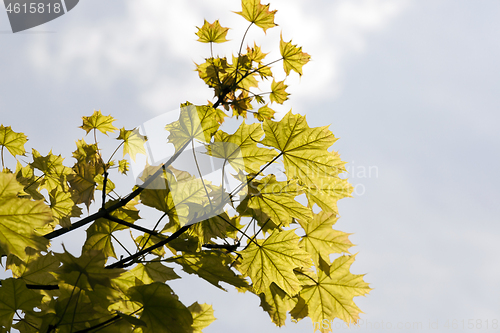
410 88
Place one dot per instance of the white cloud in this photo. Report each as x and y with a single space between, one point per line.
152 43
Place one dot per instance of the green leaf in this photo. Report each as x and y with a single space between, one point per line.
123 166
278 93
55 173
264 112
273 260
195 122
277 200
15 296
37 271
212 33
320 239
331 296
63 207
240 149
276 303
99 234
87 271
203 315
133 142
82 183
304 149
162 312
213 266
99 122
14 142
253 11
326 191
293 57
20 218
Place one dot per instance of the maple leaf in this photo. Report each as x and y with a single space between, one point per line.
276 303
320 239
293 57
304 149
14 142
203 315
36 270
278 93
123 166
277 200
54 172
213 266
15 296
83 183
20 218
133 142
326 191
253 11
162 311
195 122
255 53
87 271
212 33
264 112
240 149
99 122
99 234
331 295
63 207
273 260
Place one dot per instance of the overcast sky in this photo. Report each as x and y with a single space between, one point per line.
410 87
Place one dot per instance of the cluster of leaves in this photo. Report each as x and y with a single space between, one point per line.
261 237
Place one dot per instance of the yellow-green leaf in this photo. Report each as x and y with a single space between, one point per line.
331 296
195 122
278 93
326 191
240 149
304 149
162 311
273 260
63 207
203 315
133 142
264 112
277 200
14 142
15 296
276 303
253 11
20 218
213 266
99 122
321 240
293 57
212 33
123 166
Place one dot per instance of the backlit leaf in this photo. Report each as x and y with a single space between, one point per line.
203 315
293 57
99 122
278 93
320 239
14 142
253 11
273 260
212 33
162 311
133 142
19 218
332 295
15 296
